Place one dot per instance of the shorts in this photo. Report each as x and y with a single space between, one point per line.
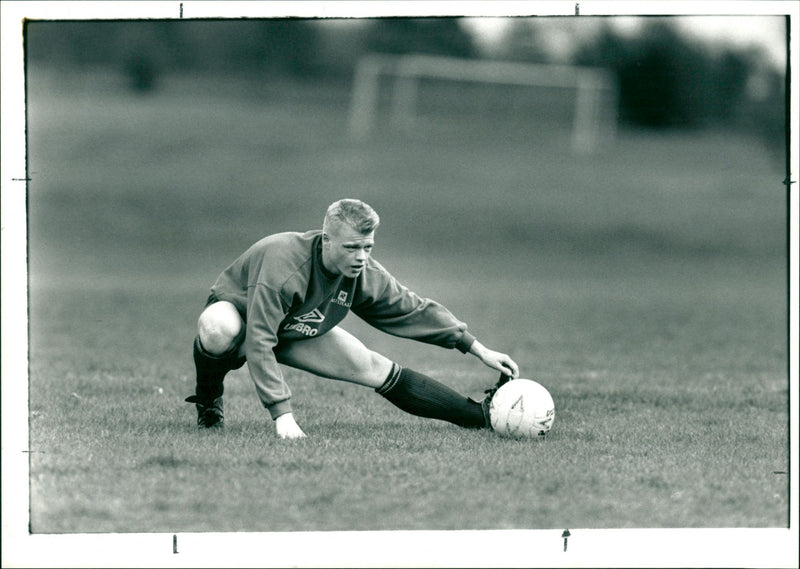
213 298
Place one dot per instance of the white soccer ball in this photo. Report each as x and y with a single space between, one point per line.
522 408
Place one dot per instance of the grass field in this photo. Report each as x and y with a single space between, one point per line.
644 285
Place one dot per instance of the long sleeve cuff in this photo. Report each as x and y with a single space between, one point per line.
465 342
279 408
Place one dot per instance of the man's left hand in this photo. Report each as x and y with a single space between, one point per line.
287 427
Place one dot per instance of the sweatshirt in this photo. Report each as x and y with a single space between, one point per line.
284 294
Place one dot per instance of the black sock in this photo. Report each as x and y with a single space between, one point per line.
423 396
211 369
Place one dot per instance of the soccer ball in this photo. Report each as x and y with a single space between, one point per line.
522 408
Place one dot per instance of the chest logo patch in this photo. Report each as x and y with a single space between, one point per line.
341 299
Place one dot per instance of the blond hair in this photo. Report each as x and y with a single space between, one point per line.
354 213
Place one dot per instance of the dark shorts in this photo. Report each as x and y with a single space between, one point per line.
212 299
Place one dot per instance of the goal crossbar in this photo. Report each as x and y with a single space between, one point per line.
504 72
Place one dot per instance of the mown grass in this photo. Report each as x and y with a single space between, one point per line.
644 286
641 439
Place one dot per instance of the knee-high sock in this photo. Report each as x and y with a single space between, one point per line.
211 369
423 396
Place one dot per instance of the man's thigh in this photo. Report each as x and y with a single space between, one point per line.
337 354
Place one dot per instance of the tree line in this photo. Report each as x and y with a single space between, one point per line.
666 80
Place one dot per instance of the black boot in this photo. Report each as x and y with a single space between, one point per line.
211 371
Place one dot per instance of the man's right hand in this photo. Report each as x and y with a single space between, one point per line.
287 427
495 360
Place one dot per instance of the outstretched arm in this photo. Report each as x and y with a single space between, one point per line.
495 360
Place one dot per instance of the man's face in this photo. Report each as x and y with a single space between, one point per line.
345 250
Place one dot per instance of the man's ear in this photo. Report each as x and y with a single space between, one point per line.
325 237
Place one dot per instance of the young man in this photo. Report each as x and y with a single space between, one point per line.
280 303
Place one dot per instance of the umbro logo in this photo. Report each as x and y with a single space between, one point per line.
315 316
302 323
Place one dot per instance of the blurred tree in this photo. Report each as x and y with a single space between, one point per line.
142 49
731 72
522 43
283 47
340 45
665 79
291 46
142 73
439 36
763 109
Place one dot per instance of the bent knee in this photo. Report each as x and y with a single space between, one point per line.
220 327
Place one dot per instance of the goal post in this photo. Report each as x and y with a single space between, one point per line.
594 117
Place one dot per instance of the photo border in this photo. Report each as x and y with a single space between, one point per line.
607 548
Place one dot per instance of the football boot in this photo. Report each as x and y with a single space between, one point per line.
209 412
487 400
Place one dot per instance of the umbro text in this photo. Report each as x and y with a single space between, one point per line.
302 328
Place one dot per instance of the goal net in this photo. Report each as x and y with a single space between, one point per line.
593 116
